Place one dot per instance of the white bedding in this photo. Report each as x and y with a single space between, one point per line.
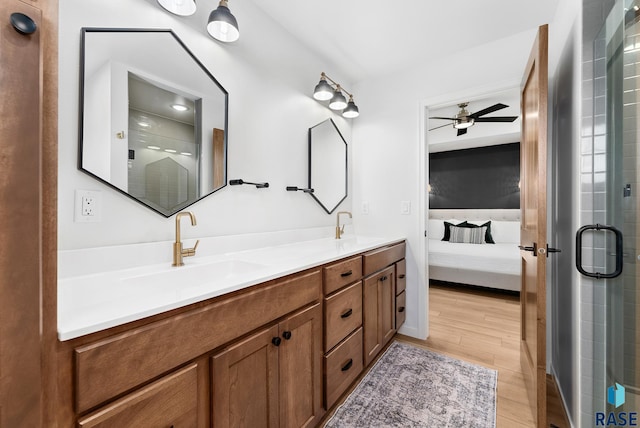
499 258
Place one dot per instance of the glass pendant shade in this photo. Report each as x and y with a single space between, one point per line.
338 101
323 91
351 110
179 7
223 26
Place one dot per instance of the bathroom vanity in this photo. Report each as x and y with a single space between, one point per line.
278 348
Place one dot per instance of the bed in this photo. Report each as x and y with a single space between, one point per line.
494 265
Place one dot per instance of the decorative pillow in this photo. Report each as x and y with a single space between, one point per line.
468 235
487 237
447 230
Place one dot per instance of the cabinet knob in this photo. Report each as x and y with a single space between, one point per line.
286 335
401 309
401 276
23 24
347 314
347 273
276 341
348 365
384 278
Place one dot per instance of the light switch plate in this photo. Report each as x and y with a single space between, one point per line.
405 207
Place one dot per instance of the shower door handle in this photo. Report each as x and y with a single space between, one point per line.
619 254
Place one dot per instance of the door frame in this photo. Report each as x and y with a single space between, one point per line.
425 105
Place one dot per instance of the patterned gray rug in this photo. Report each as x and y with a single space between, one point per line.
414 387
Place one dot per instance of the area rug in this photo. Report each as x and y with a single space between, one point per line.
414 387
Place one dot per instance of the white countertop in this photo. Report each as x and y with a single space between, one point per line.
97 301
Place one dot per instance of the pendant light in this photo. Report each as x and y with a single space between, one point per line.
338 101
351 110
323 90
179 7
222 25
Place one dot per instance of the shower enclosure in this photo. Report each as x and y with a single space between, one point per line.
607 249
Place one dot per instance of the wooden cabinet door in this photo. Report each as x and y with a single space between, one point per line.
387 302
301 368
169 402
245 382
20 193
378 312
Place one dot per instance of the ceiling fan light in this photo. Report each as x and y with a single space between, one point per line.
179 7
463 123
323 90
338 101
351 110
222 25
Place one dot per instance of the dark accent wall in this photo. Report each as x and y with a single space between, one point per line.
483 177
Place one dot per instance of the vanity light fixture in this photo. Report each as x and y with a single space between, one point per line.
179 107
179 7
222 25
334 93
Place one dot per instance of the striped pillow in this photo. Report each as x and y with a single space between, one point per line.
468 235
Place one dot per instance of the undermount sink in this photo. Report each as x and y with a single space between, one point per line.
192 275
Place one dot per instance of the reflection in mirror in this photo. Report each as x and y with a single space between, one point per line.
327 165
153 119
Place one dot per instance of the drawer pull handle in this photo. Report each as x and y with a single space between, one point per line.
286 335
348 365
276 341
401 276
401 309
345 274
347 314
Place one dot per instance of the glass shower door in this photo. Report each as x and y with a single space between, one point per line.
616 135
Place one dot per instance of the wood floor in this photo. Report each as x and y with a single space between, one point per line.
483 327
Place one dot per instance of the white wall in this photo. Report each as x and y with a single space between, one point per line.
387 149
269 77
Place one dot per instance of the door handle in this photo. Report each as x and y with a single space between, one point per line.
619 254
533 249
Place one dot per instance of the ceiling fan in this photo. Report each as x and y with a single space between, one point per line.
464 119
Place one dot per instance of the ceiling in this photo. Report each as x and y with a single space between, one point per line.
372 38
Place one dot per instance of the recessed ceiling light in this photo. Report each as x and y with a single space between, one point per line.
179 107
153 147
169 150
144 124
185 153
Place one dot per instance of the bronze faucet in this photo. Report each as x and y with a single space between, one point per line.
178 251
340 231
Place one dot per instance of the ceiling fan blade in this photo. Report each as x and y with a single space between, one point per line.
443 118
462 131
496 119
441 126
488 110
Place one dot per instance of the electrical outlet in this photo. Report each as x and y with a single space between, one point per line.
87 206
365 208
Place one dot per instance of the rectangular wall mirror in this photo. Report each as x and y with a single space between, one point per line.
153 119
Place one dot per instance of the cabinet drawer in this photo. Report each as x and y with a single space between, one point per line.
342 366
340 274
401 276
383 257
169 402
401 309
342 314
117 364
